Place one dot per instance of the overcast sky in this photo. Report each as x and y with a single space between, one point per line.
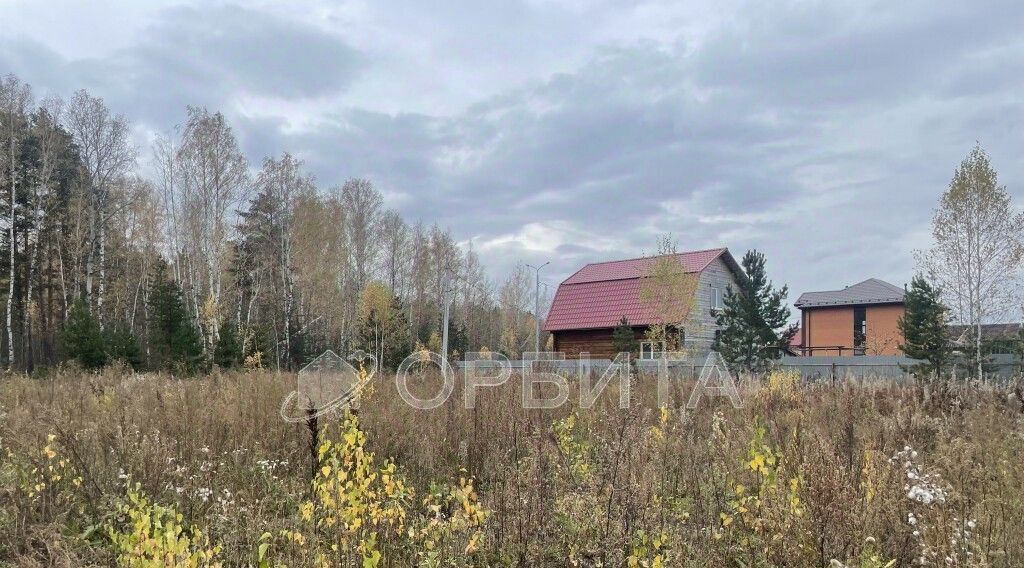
821 133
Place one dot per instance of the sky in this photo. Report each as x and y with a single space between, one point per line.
820 133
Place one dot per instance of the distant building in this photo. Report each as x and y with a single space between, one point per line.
857 320
996 338
796 344
590 304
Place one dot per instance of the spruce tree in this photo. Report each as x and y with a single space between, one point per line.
923 327
753 321
174 340
82 337
624 339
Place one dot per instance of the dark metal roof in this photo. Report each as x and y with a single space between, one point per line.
870 291
989 331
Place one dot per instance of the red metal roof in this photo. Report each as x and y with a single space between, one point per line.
600 294
798 339
694 261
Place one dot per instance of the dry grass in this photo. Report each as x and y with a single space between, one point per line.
800 476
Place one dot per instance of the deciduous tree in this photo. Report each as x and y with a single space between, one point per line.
979 244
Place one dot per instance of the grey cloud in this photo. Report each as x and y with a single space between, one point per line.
812 55
818 135
200 56
252 51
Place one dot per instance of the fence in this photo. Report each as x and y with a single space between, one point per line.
997 368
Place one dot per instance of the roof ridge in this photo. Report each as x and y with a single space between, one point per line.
656 256
865 281
885 283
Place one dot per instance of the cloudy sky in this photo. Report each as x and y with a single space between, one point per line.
821 133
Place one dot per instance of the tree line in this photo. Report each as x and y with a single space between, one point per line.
210 259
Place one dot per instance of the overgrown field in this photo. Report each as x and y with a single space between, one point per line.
150 470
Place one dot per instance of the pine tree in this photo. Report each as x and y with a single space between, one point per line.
174 341
122 346
923 327
82 337
624 339
753 321
400 345
228 351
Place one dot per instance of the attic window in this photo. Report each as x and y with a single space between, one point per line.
716 298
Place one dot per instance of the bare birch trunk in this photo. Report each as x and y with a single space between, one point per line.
103 274
11 245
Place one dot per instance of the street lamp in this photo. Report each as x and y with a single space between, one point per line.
536 306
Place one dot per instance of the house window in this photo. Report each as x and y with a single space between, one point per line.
716 299
652 349
860 330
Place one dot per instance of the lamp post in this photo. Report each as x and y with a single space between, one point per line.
536 306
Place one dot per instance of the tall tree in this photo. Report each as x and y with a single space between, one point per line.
753 320
362 205
15 101
394 237
514 302
104 141
979 244
923 327
50 157
213 180
267 246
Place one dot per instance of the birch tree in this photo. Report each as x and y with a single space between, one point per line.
50 147
979 240
394 238
362 205
514 301
15 101
165 162
213 177
283 179
670 294
107 154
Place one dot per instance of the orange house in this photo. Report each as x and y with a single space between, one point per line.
857 320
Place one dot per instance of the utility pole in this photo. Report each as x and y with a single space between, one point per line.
536 306
444 332
446 296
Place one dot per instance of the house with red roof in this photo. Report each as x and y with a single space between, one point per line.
590 304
